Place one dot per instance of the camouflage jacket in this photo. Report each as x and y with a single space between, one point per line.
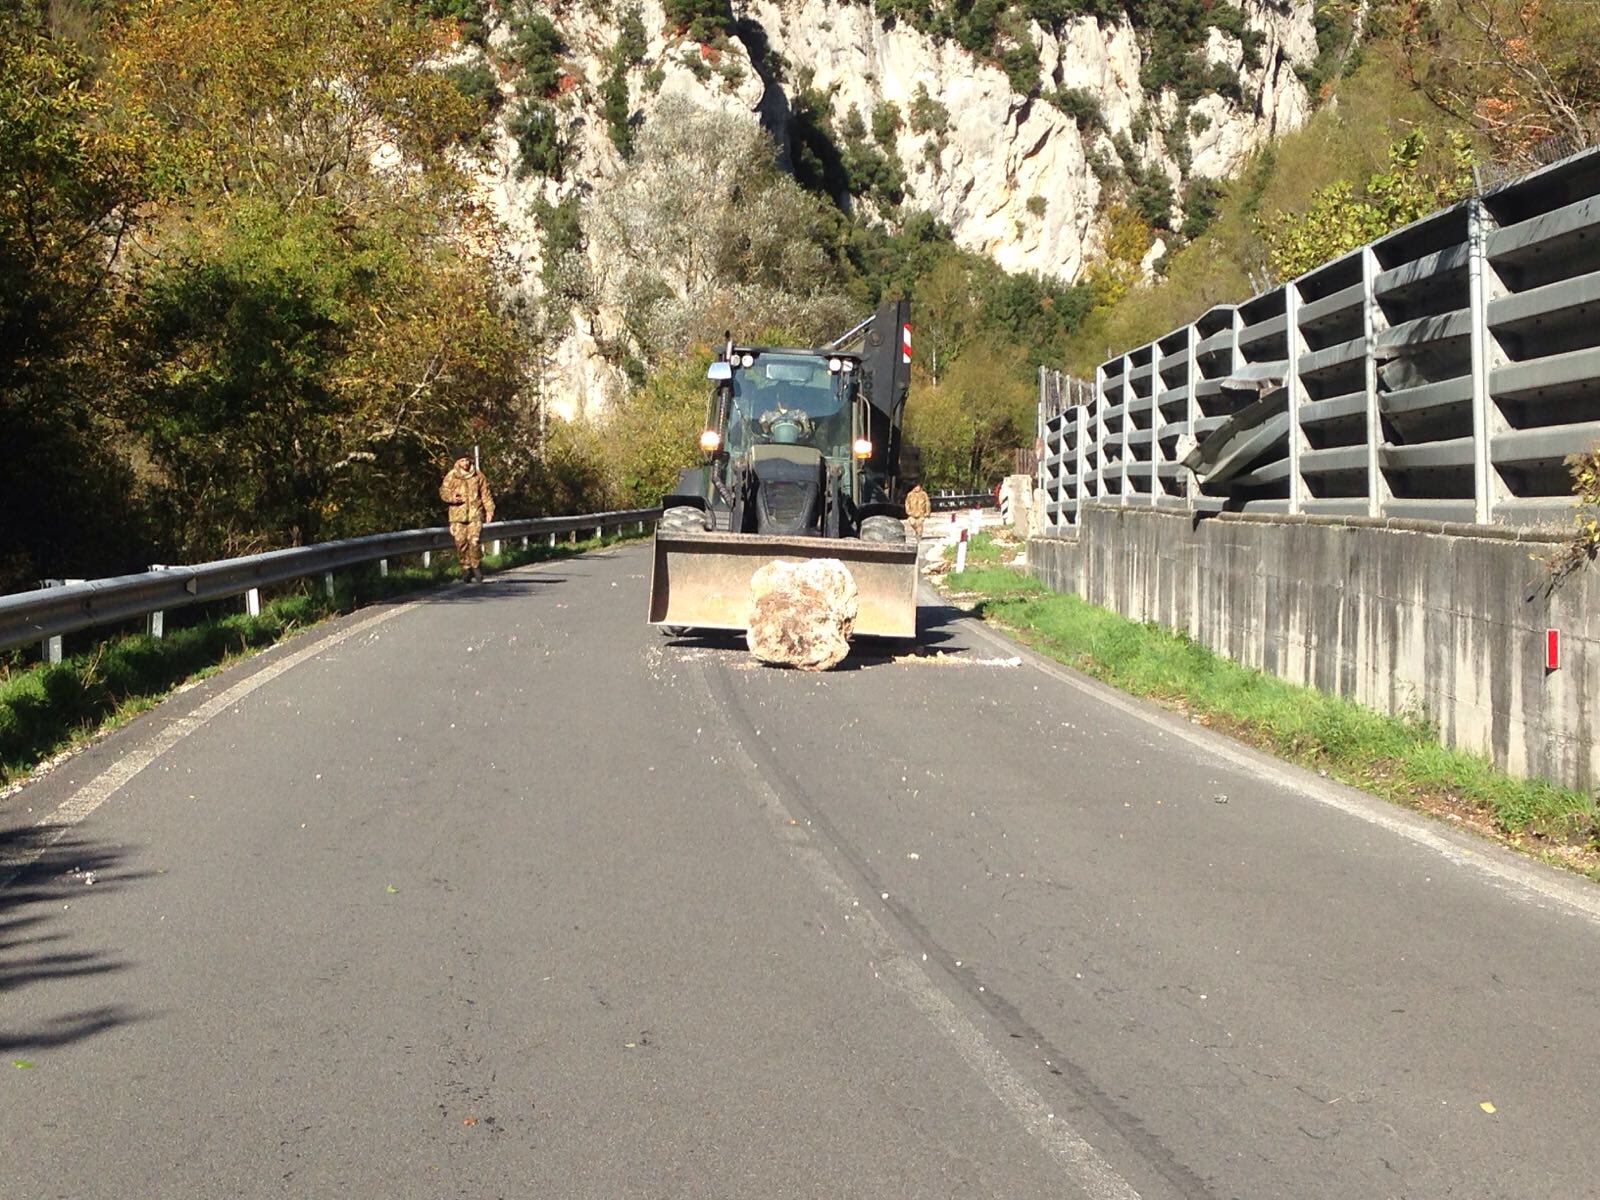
467 493
917 503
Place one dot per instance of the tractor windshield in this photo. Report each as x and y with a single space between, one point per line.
790 399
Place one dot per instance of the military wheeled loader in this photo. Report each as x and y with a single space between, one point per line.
802 460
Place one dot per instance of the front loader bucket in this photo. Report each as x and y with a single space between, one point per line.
702 580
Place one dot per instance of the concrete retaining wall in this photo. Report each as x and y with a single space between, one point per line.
1398 615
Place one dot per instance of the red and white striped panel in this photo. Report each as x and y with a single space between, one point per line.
905 343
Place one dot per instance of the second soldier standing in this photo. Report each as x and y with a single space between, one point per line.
471 503
918 506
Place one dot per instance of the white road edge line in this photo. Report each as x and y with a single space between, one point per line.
1579 899
1083 1164
102 787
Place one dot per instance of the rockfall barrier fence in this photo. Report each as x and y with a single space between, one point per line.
1442 373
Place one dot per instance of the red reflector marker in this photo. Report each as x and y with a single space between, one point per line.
1552 649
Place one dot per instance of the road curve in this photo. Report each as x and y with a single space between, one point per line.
500 893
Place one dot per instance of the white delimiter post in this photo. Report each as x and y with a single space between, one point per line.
1478 305
50 648
155 624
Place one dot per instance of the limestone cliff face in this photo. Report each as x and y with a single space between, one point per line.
1002 150
1014 178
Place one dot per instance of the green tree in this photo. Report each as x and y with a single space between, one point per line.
542 148
702 20
1339 219
537 45
308 325
1519 73
296 377
70 195
616 109
703 232
654 431
968 426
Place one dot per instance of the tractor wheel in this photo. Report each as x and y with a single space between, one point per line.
682 518
888 531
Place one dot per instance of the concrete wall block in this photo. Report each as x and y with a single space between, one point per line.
1452 626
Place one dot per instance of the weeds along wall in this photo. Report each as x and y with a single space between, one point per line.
1442 372
1446 620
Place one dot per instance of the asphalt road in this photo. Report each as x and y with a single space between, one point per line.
502 894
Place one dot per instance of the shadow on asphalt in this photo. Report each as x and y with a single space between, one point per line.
935 635
36 949
495 586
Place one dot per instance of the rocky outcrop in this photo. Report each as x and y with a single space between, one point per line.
1013 177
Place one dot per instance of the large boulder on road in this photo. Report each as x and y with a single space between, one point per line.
803 613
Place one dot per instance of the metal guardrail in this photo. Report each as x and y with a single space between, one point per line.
952 503
38 616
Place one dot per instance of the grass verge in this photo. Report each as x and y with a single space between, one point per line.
1397 757
984 549
46 709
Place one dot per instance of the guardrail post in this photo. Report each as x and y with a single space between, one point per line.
1478 312
1294 345
524 543
494 548
327 584
1191 410
252 602
383 568
427 559
552 541
155 624
50 648
1099 439
1373 323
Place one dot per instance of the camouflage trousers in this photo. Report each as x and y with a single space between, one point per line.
916 527
466 534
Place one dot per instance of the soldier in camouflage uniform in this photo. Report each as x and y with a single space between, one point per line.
467 493
918 506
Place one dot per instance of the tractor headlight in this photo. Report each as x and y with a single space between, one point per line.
863 448
711 441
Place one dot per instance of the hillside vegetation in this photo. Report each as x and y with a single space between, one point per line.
1430 92
250 293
